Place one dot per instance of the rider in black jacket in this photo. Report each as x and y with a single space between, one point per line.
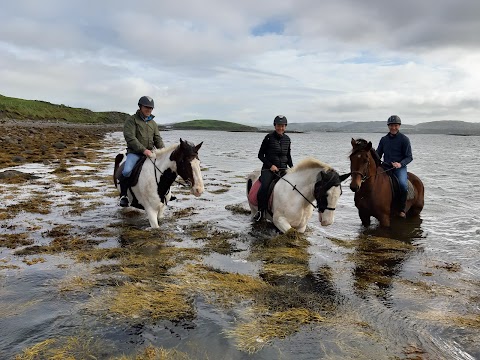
275 155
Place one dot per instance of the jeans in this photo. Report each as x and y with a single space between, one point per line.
402 176
130 163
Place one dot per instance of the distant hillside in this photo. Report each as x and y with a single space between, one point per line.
20 109
206 124
432 127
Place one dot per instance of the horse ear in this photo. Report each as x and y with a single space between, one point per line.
369 146
344 177
198 146
320 175
353 142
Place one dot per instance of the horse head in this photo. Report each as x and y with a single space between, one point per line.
327 191
188 165
360 162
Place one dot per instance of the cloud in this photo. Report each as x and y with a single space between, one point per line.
249 60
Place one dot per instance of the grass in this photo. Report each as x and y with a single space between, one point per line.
22 109
37 110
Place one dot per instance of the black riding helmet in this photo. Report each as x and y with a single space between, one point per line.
394 119
280 120
146 101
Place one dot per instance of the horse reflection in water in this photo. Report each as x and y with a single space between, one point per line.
379 255
293 195
373 191
152 190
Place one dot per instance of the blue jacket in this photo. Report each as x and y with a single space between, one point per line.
395 148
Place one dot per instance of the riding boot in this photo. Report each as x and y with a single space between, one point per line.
123 181
262 205
258 215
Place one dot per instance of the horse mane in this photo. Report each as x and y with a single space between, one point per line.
165 149
361 144
309 163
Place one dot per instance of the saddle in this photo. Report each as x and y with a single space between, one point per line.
252 195
132 180
394 185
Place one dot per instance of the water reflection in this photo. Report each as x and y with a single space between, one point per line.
380 253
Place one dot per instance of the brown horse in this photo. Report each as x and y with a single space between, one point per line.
372 187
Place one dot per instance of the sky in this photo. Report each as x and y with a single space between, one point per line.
248 61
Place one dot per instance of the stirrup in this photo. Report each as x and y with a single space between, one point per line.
124 201
258 216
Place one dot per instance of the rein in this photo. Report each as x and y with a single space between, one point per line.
294 187
365 177
186 184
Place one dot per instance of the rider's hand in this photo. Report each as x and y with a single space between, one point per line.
274 168
396 165
148 153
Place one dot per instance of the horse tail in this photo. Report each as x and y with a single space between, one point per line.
251 179
118 160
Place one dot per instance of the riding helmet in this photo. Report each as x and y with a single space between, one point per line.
146 101
280 120
394 119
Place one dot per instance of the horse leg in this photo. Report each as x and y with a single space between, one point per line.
302 229
160 211
152 217
364 217
281 223
384 220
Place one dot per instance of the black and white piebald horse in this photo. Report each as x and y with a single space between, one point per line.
152 190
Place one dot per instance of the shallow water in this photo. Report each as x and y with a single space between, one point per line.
396 293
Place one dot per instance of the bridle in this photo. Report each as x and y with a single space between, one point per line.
294 187
187 184
365 174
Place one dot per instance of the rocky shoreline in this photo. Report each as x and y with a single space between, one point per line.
47 142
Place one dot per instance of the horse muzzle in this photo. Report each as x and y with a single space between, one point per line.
197 190
326 218
354 187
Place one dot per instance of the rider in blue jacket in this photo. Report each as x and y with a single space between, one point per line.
397 152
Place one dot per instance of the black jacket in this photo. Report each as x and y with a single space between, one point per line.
275 150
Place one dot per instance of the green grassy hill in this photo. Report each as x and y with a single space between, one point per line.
20 109
205 124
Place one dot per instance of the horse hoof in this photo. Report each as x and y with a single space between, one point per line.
124 201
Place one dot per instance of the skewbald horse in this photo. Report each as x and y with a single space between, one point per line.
373 191
293 195
158 173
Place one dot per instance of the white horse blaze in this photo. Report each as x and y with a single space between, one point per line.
328 216
198 188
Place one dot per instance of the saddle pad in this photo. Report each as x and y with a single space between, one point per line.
411 191
252 195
